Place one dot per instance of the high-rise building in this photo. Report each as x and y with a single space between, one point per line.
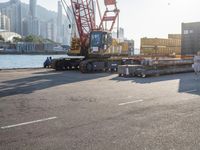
32 8
4 22
31 24
118 34
16 17
50 30
43 32
12 10
25 27
59 23
34 26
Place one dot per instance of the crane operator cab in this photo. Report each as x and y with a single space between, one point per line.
100 41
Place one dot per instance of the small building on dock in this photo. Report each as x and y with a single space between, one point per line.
30 47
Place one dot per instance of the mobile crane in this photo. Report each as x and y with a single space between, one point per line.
89 49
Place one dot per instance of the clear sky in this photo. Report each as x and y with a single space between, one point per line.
149 18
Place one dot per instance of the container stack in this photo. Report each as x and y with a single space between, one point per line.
160 46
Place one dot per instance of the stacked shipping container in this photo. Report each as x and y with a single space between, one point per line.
159 46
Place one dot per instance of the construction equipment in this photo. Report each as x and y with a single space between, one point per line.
94 40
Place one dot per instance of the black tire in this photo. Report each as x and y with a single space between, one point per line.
59 66
89 67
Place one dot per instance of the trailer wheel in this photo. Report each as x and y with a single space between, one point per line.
58 66
89 67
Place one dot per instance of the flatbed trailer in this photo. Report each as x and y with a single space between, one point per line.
86 65
156 68
98 64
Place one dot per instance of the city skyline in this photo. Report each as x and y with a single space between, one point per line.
153 18
10 16
25 19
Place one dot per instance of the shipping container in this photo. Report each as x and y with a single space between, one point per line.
174 36
158 46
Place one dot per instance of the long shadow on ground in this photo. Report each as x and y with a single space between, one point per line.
44 80
188 82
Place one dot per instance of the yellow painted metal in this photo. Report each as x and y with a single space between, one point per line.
75 46
118 48
174 36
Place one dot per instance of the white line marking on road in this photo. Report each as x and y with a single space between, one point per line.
121 104
26 123
190 91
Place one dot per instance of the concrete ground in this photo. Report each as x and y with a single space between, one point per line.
47 110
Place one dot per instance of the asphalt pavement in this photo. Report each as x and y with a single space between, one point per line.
48 110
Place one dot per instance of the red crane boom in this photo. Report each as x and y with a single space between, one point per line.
85 17
84 13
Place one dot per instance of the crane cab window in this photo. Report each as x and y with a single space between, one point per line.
96 39
100 39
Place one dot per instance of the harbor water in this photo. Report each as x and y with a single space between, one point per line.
24 61
28 61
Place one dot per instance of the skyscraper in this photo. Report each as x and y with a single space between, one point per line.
12 10
25 27
4 22
31 24
43 26
59 23
32 8
16 17
50 30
